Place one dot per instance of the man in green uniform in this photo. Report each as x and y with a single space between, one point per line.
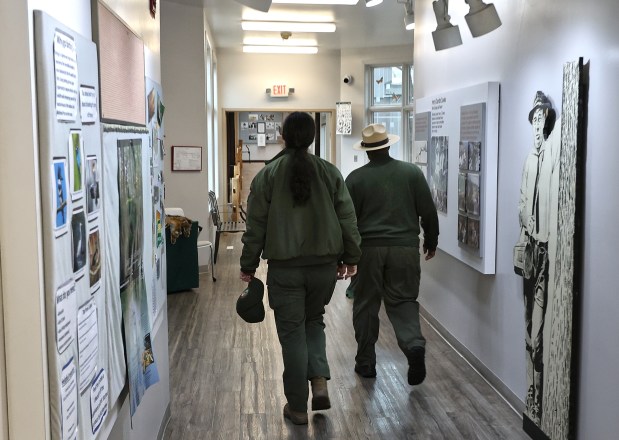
390 197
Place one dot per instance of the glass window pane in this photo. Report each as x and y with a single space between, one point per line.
387 85
393 123
408 148
411 81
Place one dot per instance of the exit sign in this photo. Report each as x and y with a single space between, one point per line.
279 91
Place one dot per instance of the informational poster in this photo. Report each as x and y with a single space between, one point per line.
460 128
98 401
68 397
88 343
343 114
65 70
66 309
88 104
136 316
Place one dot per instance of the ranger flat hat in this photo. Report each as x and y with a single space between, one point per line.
375 137
249 305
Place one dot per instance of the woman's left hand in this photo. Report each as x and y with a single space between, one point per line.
246 277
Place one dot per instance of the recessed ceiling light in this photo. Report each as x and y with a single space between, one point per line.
292 26
281 49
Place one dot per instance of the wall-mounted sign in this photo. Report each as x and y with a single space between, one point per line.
279 91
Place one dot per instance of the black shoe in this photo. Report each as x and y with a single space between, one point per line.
416 366
365 370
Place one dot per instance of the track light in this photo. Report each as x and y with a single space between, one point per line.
260 5
446 34
482 18
409 18
370 3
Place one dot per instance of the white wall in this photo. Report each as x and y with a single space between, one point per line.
485 313
184 94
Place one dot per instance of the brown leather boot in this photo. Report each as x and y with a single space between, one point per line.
296 417
320 394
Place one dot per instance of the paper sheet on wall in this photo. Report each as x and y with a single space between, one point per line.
65 70
88 104
68 396
88 342
66 307
98 401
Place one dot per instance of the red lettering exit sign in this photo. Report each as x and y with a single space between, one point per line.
279 91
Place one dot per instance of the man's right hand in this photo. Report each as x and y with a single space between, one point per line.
345 271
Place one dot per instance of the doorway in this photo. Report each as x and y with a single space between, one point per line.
257 134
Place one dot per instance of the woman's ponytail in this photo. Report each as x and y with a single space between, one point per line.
298 133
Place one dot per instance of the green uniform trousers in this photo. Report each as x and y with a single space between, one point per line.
298 296
390 274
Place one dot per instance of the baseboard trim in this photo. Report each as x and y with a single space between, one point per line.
512 400
164 423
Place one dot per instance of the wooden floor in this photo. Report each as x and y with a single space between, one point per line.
226 377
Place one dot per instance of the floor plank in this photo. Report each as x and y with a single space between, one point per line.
225 376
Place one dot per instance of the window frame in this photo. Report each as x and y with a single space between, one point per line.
406 106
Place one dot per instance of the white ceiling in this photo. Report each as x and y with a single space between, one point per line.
357 26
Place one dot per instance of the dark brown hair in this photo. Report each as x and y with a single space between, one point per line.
298 133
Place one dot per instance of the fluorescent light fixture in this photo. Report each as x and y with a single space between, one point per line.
446 34
370 3
482 18
315 17
265 41
292 26
260 5
317 2
281 49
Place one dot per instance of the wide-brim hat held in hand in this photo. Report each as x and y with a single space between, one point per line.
375 137
249 305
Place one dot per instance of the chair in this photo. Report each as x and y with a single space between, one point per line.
228 224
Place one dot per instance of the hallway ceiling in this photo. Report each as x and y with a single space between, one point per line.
357 26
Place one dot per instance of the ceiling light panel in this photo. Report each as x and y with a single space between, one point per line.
281 49
292 26
317 2
314 17
278 41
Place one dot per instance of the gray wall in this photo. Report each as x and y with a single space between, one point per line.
485 313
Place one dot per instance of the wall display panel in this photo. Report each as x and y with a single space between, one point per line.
84 338
547 256
456 145
252 124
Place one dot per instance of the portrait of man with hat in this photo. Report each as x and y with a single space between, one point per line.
393 202
537 216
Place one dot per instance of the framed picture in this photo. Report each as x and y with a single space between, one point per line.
261 127
186 158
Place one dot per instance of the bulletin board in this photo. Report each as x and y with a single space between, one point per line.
456 146
86 362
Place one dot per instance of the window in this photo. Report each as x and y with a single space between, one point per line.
391 104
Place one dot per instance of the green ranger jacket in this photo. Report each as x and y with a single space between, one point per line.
390 198
322 230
